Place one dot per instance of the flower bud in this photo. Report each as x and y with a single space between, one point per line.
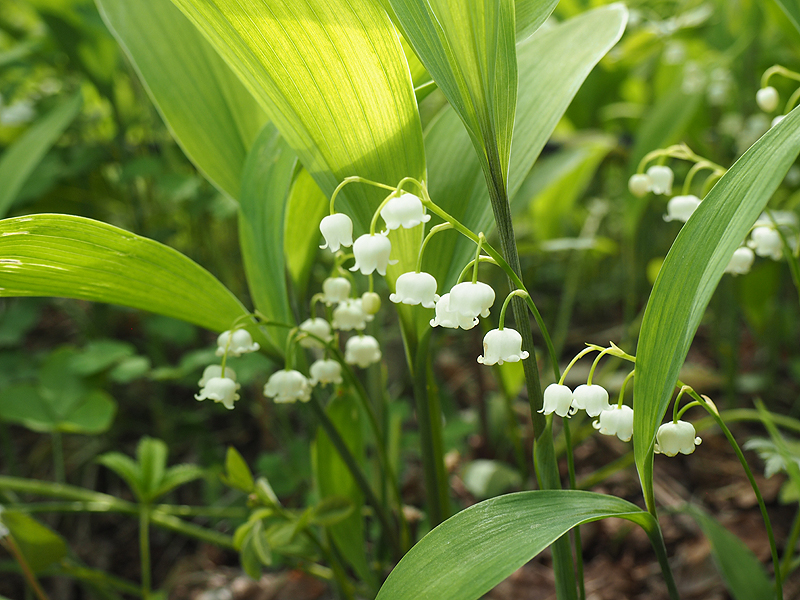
317 327
557 399
404 211
416 288
502 345
350 315
676 437
662 177
616 420
372 254
326 371
640 184
362 350
680 208
767 99
335 290
241 342
592 398
741 261
221 390
288 386
766 242
337 229
371 303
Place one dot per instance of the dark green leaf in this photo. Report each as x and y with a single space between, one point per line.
237 473
151 454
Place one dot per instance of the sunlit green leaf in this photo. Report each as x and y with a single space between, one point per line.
306 207
792 10
74 257
20 159
470 553
530 14
691 272
210 113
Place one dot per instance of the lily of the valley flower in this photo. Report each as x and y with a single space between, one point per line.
676 437
337 229
741 261
557 399
765 241
448 318
221 390
471 299
372 254
371 303
592 398
350 315
362 350
405 210
502 345
319 328
215 371
767 99
415 288
241 342
288 386
662 177
680 208
640 184
326 371
335 290
617 420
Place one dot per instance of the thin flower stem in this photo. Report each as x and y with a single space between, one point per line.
30 578
576 530
621 400
740 455
144 548
684 409
791 259
778 70
471 264
481 241
434 230
577 357
696 168
788 553
675 414
595 363
790 103
354 179
521 293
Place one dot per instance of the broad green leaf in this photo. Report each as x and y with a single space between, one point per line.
530 14
151 455
266 181
21 158
470 553
237 473
40 545
332 76
792 10
334 480
691 272
743 573
90 413
552 68
306 207
74 257
469 50
208 110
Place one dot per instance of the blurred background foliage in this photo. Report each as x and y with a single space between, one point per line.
97 378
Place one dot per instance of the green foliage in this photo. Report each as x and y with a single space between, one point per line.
237 473
40 545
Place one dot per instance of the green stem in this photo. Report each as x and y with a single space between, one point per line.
356 472
576 530
657 541
434 230
9 544
790 103
481 241
595 363
513 294
675 415
144 548
788 552
778 70
571 364
697 167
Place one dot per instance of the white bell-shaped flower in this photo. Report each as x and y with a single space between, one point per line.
241 342
317 327
591 398
335 290
405 210
325 371
215 371
350 315
362 350
471 299
767 99
766 242
371 303
676 437
662 177
372 254
557 399
337 229
640 184
741 261
288 386
415 288
448 318
680 208
221 390
502 345
617 420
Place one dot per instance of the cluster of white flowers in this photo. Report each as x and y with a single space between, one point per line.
765 240
222 387
612 419
659 179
